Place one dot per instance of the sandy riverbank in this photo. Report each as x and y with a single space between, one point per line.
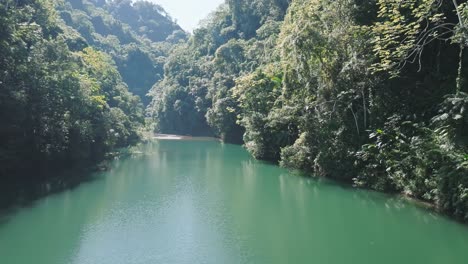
179 137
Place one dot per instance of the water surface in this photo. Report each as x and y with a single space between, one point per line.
207 202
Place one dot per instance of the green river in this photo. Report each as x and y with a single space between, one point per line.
206 202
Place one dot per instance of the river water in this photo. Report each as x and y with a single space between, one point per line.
207 202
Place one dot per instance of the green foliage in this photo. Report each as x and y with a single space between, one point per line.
202 72
134 34
400 158
57 106
265 132
326 79
248 16
406 28
452 122
421 162
145 18
318 85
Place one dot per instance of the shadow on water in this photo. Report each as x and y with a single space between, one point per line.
394 198
24 192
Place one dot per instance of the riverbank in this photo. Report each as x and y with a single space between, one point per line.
205 202
180 137
424 204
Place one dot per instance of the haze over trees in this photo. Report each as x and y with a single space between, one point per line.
137 36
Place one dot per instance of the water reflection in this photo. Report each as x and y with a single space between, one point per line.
204 202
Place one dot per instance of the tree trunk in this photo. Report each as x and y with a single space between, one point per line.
460 79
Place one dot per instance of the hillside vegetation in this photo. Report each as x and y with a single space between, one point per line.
73 76
368 92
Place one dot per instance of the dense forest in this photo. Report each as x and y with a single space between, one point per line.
372 93
368 92
74 77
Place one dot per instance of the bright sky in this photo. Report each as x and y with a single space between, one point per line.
189 12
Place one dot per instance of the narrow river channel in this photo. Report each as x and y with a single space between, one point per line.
196 202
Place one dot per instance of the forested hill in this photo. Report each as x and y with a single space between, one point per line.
369 92
137 35
73 75
195 97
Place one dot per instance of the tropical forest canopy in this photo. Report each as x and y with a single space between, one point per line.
369 92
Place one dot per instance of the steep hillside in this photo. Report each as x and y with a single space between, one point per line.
62 102
138 36
195 95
